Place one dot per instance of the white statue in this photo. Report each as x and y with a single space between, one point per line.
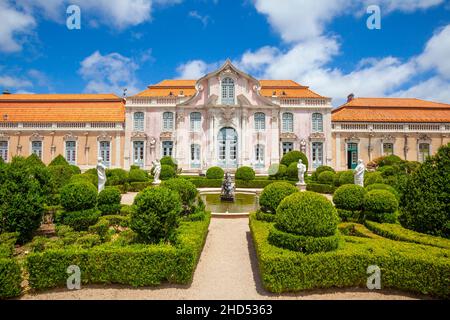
359 173
156 171
101 173
301 172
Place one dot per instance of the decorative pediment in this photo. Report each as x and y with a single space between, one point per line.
243 101
139 135
104 137
4 136
166 135
288 136
388 138
424 138
70 137
317 136
352 139
36 136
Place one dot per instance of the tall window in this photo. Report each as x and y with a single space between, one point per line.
168 121
138 153
195 155
424 151
71 152
196 120
227 91
259 155
138 121
4 150
167 147
105 152
288 122
36 148
388 149
317 122
260 121
287 147
317 154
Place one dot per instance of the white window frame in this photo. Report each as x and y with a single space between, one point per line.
317 122
195 121
108 162
288 122
260 121
141 162
4 151
420 156
384 149
139 123
41 151
260 156
228 93
75 149
195 155
282 147
168 122
163 148
317 152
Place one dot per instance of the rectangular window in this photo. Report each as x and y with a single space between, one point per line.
317 154
71 152
139 121
167 121
288 147
288 122
4 150
195 156
167 148
259 156
424 151
138 153
196 120
388 149
105 152
36 148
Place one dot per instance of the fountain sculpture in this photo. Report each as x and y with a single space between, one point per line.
228 189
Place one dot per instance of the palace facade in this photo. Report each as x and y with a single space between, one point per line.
227 118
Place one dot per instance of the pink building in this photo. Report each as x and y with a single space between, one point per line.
228 119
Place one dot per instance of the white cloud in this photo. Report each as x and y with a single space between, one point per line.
434 88
437 53
10 82
203 19
109 73
13 23
194 69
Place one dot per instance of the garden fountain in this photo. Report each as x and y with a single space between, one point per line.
228 189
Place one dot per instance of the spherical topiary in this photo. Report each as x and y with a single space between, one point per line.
78 196
156 213
389 160
185 189
425 206
273 194
372 178
294 156
307 214
169 161
115 177
292 171
167 172
277 171
245 173
137 175
215 173
337 176
326 177
81 220
379 205
319 170
109 201
381 186
346 177
349 197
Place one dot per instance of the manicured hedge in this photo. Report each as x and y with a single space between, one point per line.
357 230
397 232
10 278
136 265
207 183
404 266
258 184
215 173
245 174
139 186
320 188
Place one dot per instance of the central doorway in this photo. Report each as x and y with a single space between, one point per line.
227 144
352 155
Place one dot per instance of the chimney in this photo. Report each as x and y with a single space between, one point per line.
350 97
6 91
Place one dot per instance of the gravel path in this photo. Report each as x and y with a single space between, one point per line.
227 270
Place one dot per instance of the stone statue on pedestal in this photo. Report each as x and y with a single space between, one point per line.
359 173
101 173
301 172
156 171
228 189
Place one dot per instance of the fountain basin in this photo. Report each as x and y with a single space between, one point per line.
243 204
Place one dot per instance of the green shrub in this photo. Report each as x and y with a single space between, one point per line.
372 178
215 173
139 186
387 171
40 244
59 161
326 177
7 242
34 160
305 244
320 188
245 174
319 170
278 171
88 241
10 278
381 186
337 177
380 206
207 183
294 156
121 263
258 184
167 172
356 230
185 189
101 228
109 201
137 175
292 172
78 196
404 266
75 169
260 215
307 214
60 175
81 220
115 177
91 171
346 177
169 161
156 214
273 194
389 160
349 197
425 204
84 178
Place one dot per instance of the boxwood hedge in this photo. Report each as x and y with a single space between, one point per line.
10 278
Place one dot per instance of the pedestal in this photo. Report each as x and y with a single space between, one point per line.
156 183
301 187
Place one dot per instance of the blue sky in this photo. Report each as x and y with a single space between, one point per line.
321 43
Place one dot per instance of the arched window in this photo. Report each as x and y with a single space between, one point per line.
227 91
317 122
288 122
168 121
260 121
196 120
138 121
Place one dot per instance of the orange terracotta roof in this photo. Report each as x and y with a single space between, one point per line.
62 108
282 88
392 110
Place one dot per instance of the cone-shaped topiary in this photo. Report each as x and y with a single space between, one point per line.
59 161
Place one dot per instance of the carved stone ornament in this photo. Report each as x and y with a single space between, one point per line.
303 145
70 137
4 136
317 136
104 137
138 135
388 138
36 136
227 114
353 138
180 117
424 138
288 136
166 135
